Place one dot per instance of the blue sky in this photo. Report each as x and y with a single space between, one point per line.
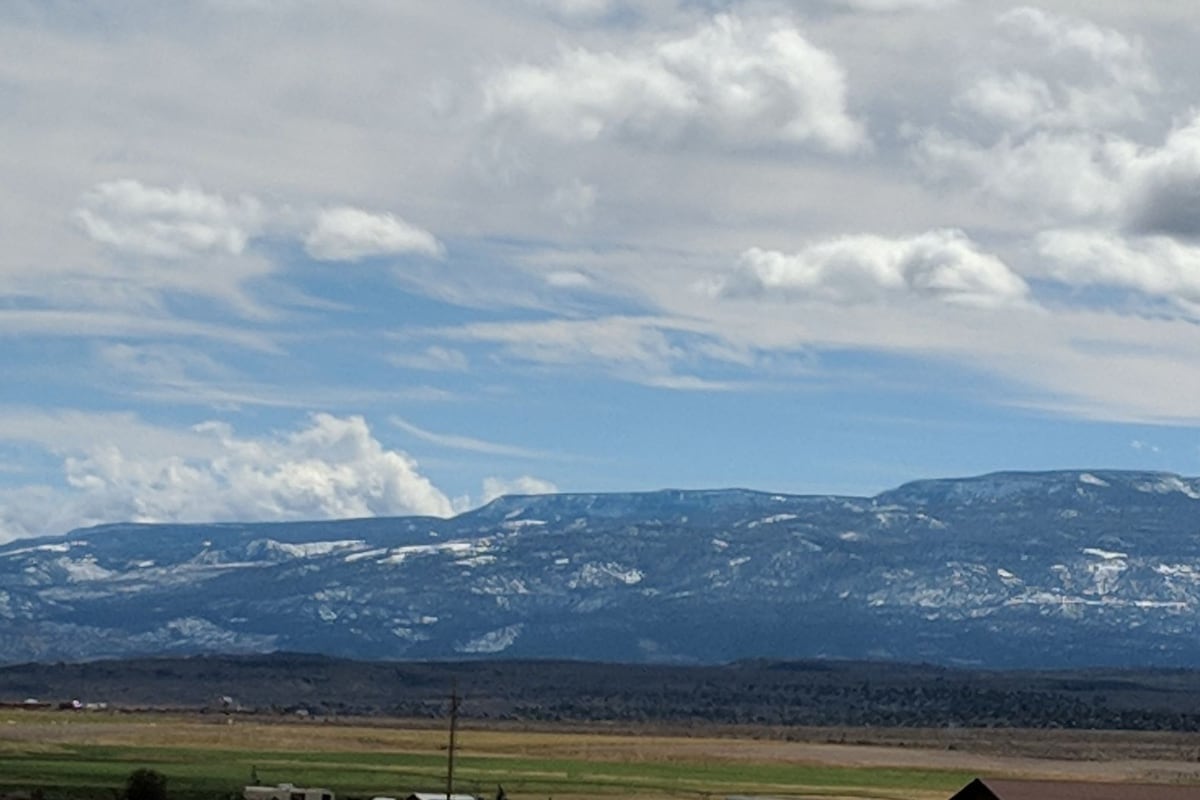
289 260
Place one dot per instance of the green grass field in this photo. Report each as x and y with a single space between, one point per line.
92 761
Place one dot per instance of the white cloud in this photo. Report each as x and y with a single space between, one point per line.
118 468
67 323
610 340
1044 133
524 485
943 264
332 467
167 223
154 240
1085 176
158 363
1090 75
568 279
1110 48
1018 100
467 443
645 350
350 234
740 82
1077 175
1154 265
70 431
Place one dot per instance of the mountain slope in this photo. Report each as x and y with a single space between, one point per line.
1011 569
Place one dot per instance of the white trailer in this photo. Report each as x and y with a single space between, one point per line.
285 791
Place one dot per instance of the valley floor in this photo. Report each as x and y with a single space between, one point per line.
88 754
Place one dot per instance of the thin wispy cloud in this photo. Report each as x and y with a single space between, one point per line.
470 444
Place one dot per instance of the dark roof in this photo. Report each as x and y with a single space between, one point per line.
997 789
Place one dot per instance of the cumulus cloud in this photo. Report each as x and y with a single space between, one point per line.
526 484
1086 75
1017 100
350 234
1162 193
1118 53
331 467
1041 132
1154 265
1076 174
118 468
130 216
1085 176
943 264
740 82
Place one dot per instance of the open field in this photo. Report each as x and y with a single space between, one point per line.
89 754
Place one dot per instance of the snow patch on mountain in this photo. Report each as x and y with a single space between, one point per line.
83 569
1168 484
494 641
408 634
306 549
1063 571
499 586
363 555
198 629
771 520
460 549
56 547
518 524
1108 555
605 574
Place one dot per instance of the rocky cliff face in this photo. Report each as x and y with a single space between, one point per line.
1011 569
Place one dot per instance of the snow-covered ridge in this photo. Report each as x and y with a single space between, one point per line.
1078 566
307 549
458 549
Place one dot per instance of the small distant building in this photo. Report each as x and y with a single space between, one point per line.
997 789
439 796
285 791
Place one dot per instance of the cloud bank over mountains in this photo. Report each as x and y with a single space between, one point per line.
591 230
329 468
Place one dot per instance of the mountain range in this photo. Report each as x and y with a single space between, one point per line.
1007 570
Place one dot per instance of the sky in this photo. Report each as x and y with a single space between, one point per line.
305 259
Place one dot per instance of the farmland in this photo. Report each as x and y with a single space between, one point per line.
88 755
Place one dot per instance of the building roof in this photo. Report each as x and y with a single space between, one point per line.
997 789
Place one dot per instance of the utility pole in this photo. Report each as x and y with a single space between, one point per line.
453 728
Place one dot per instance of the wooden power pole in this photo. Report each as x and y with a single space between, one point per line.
454 700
